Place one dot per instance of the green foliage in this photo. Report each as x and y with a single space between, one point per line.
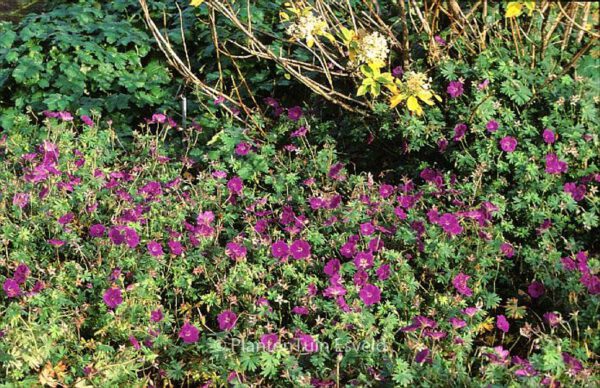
82 58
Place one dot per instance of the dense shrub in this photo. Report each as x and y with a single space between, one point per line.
83 57
185 264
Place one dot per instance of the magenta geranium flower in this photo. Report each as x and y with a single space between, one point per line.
227 320
450 224
112 297
205 218
460 283
572 363
502 323
442 145
300 249
455 89
555 165
156 315
134 342
507 250
131 237
307 343
439 40
155 249
576 191
423 356
65 219
311 290
492 126
457 323
376 244
383 272
11 288
175 247
363 260
21 273
242 149
21 200
591 282
56 242
235 185
548 136
419 322
536 289
470 311
300 310
280 249
386 190
332 267
37 287
235 251
459 131
335 171
508 144
370 294
97 230
334 291
158 118
367 229
295 113
348 249
553 319
116 236
300 132
87 120
269 341
189 333
360 278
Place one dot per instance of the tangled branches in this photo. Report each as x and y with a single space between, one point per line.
335 48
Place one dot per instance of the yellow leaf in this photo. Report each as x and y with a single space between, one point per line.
284 17
367 71
425 96
347 35
376 65
196 3
310 41
362 90
486 325
413 105
376 70
397 99
513 9
385 78
392 87
329 36
530 6
215 138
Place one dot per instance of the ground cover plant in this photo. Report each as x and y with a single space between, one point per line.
406 194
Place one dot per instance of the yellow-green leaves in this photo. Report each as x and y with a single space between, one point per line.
373 80
347 35
414 90
515 8
196 3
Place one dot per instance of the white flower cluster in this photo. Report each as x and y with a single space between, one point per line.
307 27
372 48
